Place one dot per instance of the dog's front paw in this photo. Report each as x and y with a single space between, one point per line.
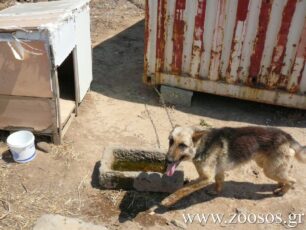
157 209
278 192
212 192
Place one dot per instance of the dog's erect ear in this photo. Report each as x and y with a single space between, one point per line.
196 136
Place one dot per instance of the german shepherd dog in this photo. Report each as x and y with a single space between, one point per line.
214 151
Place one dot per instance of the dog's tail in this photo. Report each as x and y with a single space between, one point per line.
300 151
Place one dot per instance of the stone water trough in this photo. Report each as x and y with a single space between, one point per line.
143 170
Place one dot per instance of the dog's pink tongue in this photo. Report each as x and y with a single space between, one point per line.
171 169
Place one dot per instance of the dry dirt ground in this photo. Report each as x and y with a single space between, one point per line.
6 3
120 110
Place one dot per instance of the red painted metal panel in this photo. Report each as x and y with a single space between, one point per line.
242 10
146 36
300 55
217 42
160 40
199 21
178 36
199 33
279 49
241 15
264 17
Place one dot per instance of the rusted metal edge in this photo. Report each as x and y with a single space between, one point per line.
275 97
147 78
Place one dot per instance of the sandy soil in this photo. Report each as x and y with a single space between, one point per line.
120 110
6 3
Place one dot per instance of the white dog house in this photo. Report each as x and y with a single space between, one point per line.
45 65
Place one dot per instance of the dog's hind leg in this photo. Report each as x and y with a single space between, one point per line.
278 169
219 181
285 183
281 176
219 178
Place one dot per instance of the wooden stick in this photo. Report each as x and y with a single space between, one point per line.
8 209
183 192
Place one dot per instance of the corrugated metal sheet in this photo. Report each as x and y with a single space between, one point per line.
251 46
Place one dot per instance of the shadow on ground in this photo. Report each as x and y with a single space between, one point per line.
134 203
7 157
95 176
118 68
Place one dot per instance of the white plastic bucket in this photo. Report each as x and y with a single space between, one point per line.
22 146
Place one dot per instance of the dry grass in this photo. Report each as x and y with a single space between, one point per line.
20 205
65 152
6 3
203 123
29 205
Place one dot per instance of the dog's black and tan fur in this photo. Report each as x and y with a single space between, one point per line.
214 151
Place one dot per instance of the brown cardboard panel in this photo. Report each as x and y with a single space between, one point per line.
27 113
25 71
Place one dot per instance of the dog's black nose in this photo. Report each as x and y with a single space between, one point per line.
169 160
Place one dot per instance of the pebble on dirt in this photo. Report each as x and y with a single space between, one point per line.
44 146
179 224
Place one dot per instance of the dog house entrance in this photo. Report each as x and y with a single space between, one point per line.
67 89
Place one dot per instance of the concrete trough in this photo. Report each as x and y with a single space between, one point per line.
140 169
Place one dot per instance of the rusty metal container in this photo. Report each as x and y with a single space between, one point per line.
248 49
